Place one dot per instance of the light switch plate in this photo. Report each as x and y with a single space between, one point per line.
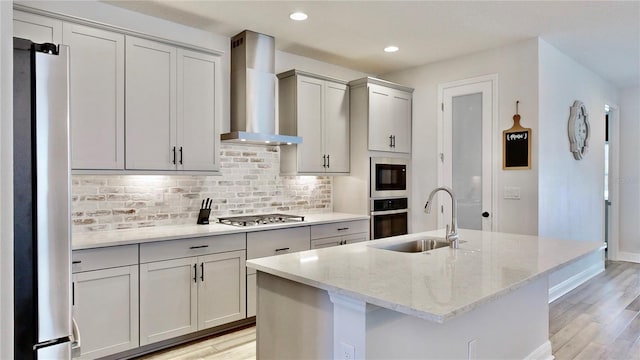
512 192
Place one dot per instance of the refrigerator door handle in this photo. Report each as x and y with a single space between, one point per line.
76 340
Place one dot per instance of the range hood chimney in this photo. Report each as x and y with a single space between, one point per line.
253 88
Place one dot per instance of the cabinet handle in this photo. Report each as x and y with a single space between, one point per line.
73 293
76 261
174 155
195 273
282 249
328 161
202 271
393 141
390 140
342 229
198 247
180 155
324 161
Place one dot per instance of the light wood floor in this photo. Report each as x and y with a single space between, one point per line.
598 320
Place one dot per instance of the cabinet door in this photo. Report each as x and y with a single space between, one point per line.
309 114
96 97
36 28
336 127
251 294
150 105
221 289
106 310
198 109
401 110
380 118
168 299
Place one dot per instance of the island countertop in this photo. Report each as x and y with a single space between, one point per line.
436 285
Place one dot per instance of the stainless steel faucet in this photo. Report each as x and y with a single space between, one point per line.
452 231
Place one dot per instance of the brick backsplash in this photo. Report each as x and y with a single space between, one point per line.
250 184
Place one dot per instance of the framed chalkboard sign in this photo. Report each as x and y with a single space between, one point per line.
516 146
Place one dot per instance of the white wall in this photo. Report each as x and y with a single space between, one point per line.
6 180
516 66
571 199
629 235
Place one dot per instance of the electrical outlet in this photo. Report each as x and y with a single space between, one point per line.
347 351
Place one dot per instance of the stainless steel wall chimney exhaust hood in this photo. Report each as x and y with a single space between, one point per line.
253 88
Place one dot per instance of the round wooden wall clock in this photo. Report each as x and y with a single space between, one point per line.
579 130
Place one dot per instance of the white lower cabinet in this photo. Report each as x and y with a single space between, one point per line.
340 233
188 294
105 301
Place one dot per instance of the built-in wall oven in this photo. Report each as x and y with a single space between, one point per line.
388 177
389 217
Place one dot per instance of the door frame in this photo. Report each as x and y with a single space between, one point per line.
614 182
495 150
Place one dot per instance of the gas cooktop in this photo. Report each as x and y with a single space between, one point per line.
251 220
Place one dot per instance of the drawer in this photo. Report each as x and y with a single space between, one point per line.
104 258
354 238
276 242
326 242
175 249
339 228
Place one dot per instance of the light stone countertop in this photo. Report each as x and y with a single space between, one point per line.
88 240
437 285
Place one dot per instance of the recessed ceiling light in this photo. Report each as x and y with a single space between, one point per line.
298 16
391 49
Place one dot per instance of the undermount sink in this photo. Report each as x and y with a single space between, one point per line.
415 246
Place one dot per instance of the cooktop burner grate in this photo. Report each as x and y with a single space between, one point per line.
252 220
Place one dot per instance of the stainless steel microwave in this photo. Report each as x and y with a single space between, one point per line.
389 177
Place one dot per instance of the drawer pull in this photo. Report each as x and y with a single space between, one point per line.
76 261
282 249
342 229
199 247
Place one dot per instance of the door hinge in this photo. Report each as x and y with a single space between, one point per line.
442 106
442 209
441 157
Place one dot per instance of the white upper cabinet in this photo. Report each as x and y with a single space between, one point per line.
198 107
171 107
39 29
317 109
389 119
96 97
150 105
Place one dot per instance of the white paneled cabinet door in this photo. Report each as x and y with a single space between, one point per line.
150 105
401 110
168 299
39 29
97 97
221 289
380 118
310 114
105 307
336 127
198 108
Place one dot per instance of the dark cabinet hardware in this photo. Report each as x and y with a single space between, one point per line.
73 293
282 249
202 271
328 162
342 229
199 247
324 161
180 155
195 273
390 140
485 214
76 262
174 155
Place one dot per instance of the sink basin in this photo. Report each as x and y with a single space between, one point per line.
415 246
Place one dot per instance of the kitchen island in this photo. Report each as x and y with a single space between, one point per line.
487 299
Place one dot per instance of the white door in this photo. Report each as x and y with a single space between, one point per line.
466 151
168 299
150 105
380 118
336 127
221 289
105 306
96 97
198 138
310 100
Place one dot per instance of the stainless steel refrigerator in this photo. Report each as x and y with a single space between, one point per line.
42 226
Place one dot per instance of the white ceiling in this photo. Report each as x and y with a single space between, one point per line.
602 35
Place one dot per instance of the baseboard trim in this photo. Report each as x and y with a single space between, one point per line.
628 256
574 281
543 352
